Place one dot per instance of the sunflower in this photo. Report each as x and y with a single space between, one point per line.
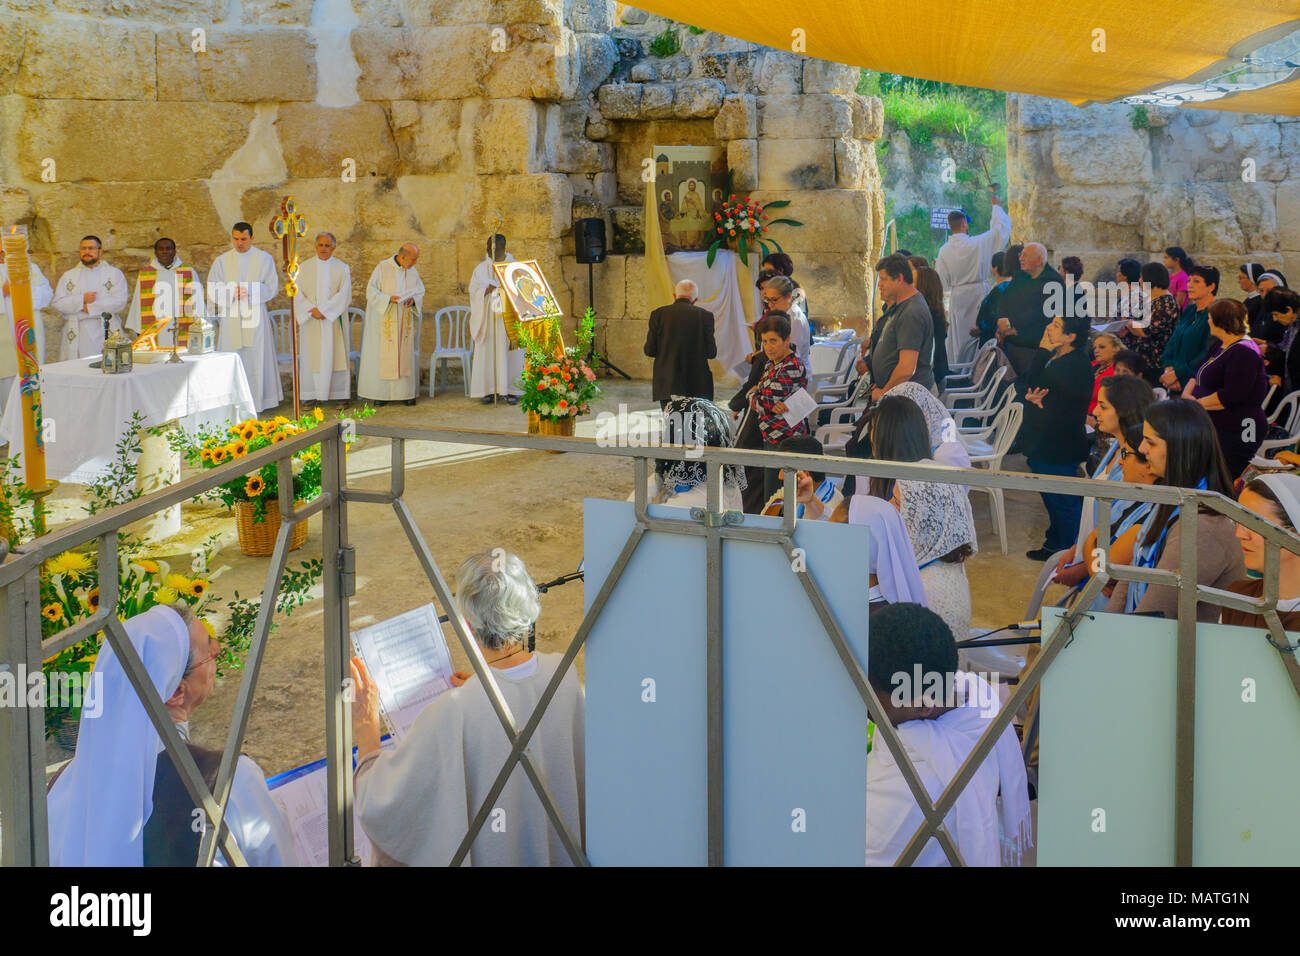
318 414
147 566
52 612
198 586
278 437
248 430
254 486
206 454
239 449
70 563
165 596
92 600
219 454
179 582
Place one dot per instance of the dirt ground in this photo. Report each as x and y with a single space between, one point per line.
465 500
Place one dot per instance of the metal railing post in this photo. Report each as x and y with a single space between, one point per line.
24 837
1185 687
339 585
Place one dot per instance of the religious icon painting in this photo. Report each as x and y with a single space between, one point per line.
688 181
529 292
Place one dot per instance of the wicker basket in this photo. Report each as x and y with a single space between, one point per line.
257 539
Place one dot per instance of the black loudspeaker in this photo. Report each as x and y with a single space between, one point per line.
589 240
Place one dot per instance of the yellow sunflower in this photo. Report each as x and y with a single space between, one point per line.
70 563
52 612
220 453
248 430
254 486
318 414
147 566
92 600
165 596
198 586
206 454
239 449
179 582
278 437
280 420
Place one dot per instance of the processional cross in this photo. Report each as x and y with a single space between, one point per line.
288 226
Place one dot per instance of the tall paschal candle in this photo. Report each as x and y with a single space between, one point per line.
14 239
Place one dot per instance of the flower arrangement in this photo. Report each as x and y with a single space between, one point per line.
744 222
560 383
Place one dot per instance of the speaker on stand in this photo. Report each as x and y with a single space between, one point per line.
589 245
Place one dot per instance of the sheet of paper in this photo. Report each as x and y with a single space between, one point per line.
408 659
741 370
799 406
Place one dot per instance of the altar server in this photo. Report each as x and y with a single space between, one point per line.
241 285
82 295
415 802
120 801
963 264
321 308
394 297
42 295
495 369
167 288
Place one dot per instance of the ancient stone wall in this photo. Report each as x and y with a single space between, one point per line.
1224 186
405 120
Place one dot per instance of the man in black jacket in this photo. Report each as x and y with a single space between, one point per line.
680 340
1025 301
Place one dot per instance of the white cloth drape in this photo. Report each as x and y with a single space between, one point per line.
720 292
83 331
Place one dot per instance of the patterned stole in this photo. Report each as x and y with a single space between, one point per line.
186 287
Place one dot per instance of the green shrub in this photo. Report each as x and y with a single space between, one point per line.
666 44
1138 117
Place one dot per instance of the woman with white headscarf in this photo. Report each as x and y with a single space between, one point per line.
894 575
697 423
945 447
1276 499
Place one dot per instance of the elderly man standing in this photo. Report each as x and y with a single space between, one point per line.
414 801
393 299
321 308
680 340
82 295
121 802
963 264
241 285
167 288
1024 306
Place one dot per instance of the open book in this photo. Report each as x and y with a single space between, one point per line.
408 659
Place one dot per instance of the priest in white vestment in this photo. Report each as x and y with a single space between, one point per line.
119 801
495 369
166 288
42 295
241 285
321 310
939 723
394 297
415 802
964 264
82 295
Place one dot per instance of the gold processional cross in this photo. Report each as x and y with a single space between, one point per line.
288 226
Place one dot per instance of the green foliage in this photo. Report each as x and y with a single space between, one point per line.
116 485
697 30
1138 117
666 44
557 382
238 635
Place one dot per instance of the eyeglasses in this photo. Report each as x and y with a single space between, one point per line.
1125 454
772 300
215 647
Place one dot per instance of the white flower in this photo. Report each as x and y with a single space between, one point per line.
543 409
572 396
729 224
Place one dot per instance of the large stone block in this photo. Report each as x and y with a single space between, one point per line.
13 40
823 76
838 286
737 69
440 204
96 61
834 220
156 11
427 134
628 229
623 341
1095 156
534 207
591 16
597 57
780 73
855 165
317 139
1258 149
696 99
329 205
1165 220
1255 208
127 214
1216 229
620 100
15 205
609 282
291 12
1288 214
656 101
238 66
132 140
737 118
814 116
1085 217
540 63
435 63
505 134
742 160
796 164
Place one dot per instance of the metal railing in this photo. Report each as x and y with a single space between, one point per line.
22 788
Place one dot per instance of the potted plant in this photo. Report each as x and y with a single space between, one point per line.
742 224
559 384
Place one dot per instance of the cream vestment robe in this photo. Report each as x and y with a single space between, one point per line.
963 264
324 284
83 332
415 802
42 295
245 325
167 299
388 367
495 368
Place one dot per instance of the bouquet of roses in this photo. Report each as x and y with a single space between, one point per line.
560 383
744 222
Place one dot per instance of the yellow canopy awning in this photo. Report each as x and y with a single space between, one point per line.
1090 51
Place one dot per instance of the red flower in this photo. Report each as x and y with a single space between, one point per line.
733 197
541 386
733 233
717 215
562 405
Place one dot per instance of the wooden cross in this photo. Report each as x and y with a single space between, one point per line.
288 226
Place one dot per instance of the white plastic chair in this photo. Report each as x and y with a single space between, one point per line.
1160 393
982 414
979 395
962 370
354 316
842 371
1287 417
455 345
987 450
283 340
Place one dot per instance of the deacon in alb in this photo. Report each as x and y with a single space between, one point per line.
393 299
82 295
42 295
167 288
963 264
495 368
321 308
241 284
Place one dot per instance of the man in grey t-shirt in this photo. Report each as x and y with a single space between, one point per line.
904 350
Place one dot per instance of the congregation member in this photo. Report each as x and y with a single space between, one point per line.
1260 322
1190 340
1231 384
495 368
1128 362
748 434
42 295
394 297
938 736
1105 346
120 801
1276 499
241 285
930 287
783 375
167 288
1147 333
1283 360
695 423
1078 298
963 266
321 309
1131 303
1026 306
680 339
1182 449
780 293
903 340
82 295
780 263
892 575
1056 392
1179 264
816 495
937 515
414 802
986 319
946 447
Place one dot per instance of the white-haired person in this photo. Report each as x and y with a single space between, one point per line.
415 802
679 337
781 293
120 801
